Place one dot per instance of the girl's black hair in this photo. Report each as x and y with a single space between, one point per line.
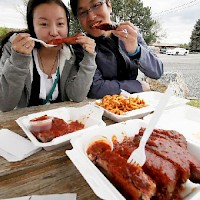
32 4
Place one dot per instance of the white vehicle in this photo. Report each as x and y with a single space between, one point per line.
177 51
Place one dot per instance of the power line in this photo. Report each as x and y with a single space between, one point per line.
177 8
171 9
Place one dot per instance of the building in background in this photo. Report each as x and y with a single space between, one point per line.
162 47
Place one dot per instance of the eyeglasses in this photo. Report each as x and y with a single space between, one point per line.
94 8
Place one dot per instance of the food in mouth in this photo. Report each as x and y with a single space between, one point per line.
66 40
105 26
168 166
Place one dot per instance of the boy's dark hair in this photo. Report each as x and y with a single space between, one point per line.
74 5
32 4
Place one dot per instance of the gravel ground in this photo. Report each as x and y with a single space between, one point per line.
189 66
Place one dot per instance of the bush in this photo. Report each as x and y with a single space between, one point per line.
3 32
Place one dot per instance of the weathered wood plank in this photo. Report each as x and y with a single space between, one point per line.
45 172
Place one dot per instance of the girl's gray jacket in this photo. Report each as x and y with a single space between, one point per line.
16 74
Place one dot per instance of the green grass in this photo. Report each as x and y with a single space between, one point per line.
195 103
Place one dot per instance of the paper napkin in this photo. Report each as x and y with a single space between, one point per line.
14 147
69 196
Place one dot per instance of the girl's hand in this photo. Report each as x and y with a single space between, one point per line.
22 43
128 33
87 43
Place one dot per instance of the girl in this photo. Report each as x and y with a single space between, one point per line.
31 74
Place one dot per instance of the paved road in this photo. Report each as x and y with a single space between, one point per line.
189 66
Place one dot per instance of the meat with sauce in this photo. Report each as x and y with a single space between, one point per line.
59 127
168 164
160 170
105 26
66 40
175 151
130 179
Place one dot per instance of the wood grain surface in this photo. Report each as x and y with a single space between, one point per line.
45 172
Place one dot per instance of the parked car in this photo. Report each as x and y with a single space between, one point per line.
177 51
163 50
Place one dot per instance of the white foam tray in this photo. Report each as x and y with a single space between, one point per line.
151 98
97 181
91 117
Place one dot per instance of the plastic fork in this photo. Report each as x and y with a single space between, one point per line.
125 93
43 43
138 156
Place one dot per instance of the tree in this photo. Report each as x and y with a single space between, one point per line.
185 46
22 10
160 33
74 25
195 38
135 12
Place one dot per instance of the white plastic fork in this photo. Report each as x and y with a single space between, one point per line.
125 93
43 43
138 156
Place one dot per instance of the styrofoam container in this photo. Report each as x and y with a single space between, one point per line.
38 125
151 98
184 119
90 116
101 186
154 97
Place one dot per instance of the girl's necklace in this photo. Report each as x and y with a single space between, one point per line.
43 69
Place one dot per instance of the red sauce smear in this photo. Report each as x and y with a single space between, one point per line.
44 117
59 128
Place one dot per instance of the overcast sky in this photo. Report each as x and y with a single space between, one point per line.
177 17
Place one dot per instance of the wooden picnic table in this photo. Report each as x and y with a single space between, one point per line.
45 172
